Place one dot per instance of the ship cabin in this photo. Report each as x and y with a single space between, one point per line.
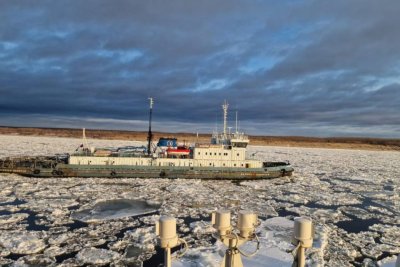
225 150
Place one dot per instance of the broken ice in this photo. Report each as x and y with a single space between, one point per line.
352 197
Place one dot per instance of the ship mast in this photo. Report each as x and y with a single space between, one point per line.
84 140
236 123
225 108
150 134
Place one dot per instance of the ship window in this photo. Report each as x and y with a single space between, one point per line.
223 164
199 153
234 164
220 154
206 153
215 153
239 144
238 154
210 163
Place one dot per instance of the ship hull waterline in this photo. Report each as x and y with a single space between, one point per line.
126 171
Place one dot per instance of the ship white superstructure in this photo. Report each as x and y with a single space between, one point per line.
226 150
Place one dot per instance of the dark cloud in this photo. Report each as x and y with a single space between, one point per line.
289 67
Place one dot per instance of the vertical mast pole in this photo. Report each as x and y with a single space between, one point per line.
225 108
85 142
236 123
84 138
150 134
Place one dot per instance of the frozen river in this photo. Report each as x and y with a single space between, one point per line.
352 196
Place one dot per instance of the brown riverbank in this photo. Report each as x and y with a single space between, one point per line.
291 141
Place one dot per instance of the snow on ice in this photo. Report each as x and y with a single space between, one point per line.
352 196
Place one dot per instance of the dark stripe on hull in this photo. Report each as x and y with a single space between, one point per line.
107 171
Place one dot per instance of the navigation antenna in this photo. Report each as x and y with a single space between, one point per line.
84 140
225 108
236 122
150 134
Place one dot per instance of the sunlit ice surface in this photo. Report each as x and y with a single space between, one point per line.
351 195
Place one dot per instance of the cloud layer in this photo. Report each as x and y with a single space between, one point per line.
290 67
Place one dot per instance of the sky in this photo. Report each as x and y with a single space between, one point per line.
310 68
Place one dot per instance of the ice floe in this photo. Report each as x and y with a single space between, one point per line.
97 256
22 242
13 218
115 209
352 196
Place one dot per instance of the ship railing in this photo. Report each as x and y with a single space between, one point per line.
82 154
207 145
227 138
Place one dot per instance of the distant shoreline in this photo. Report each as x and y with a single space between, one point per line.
379 144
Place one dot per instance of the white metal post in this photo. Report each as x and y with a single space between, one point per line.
167 257
302 238
301 257
166 230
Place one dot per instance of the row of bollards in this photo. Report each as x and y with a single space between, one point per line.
234 238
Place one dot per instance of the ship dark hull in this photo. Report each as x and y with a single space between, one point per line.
125 171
